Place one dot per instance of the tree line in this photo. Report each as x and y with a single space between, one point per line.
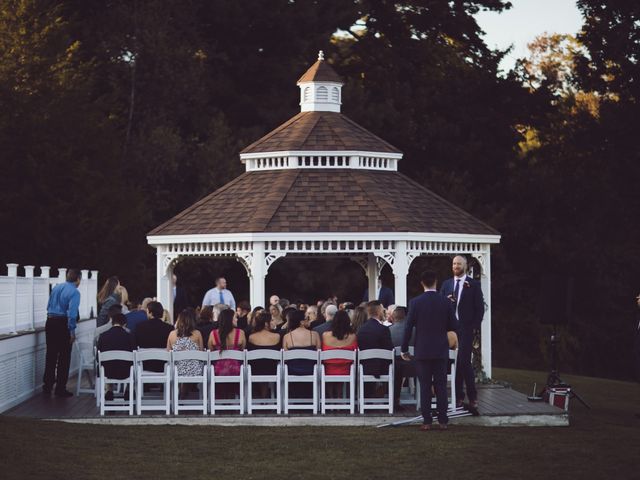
115 115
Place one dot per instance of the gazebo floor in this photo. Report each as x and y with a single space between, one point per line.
498 406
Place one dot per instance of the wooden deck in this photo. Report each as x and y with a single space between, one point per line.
498 406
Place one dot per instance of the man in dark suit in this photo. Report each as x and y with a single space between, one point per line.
385 294
467 302
153 333
116 338
372 334
432 317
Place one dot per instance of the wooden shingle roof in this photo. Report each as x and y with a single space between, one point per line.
320 131
322 200
320 72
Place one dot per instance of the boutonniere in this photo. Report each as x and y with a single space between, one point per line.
452 298
466 284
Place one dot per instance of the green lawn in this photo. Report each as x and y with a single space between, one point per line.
601 443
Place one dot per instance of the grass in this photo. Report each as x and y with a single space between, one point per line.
600 443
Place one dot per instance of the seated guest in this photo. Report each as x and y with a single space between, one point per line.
402 369
251 318
116 338
204 324
227 337
137 314
273 299
340 337
310 316
186 337
153 333
218 308
375 335
242 312
359 317
263 338
286 313
299 338
329 312
276 317
113 310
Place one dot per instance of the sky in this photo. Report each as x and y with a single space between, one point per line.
525 20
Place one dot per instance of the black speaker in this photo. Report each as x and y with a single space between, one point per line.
555 300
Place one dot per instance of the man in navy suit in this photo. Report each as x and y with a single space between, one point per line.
385 294
373 334
116 338
432 317
467 302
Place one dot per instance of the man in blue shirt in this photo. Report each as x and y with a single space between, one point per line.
219 294
60 330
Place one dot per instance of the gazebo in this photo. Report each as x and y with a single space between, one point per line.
322 185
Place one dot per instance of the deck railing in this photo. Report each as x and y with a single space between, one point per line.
23 299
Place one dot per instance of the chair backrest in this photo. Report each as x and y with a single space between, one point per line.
144 354
300 355
201 355
377 353
216 355
338 354
115 355
264 354
398 350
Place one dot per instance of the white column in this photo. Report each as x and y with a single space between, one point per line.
28 273
257 276
164 293
400 272
485 331
12 272
62 275
372 276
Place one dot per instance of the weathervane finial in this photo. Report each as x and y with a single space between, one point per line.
320 55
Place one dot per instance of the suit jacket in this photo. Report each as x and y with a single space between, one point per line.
116 338
471 305
373 334
153 333
323 327
433 317
385 296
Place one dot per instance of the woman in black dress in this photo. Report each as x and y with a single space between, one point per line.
263 338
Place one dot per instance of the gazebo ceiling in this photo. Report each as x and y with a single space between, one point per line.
322 200
320 131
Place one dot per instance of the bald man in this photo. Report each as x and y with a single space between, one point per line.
467 302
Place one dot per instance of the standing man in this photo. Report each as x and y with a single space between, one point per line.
467 302
219 294
60 331
384 294
432 317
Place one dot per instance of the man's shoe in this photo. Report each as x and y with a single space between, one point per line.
425 427
443 426
459 403
473 408
63 393
46 390
108 396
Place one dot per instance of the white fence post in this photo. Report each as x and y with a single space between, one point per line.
62 274
94 293
12 272
28 273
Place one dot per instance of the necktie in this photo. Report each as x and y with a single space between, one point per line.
456 291
221 297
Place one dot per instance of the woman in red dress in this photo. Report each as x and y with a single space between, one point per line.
340 337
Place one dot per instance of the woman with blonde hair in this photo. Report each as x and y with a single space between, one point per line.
107 297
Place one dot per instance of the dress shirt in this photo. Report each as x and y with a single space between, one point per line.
64 301
212 297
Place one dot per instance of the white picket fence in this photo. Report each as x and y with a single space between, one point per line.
23 300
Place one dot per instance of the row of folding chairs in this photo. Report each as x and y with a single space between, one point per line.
280 383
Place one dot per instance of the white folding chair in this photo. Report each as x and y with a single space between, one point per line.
338 403
375 403
188 404
145 377
117 404
227 403
300 403
86 364
274 401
